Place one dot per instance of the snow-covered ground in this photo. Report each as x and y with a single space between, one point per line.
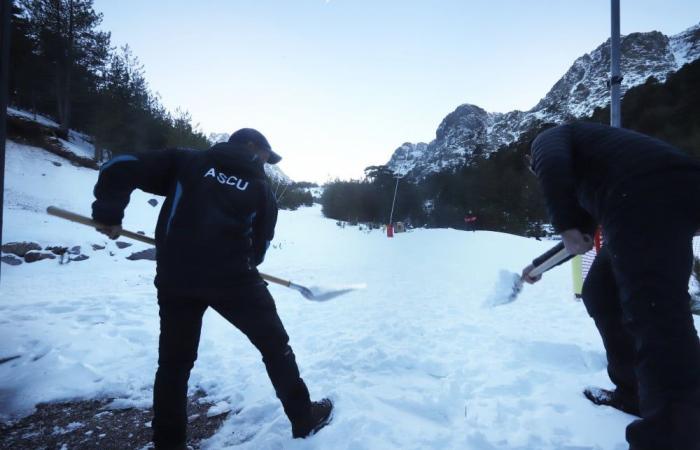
43 120
77 143
413 361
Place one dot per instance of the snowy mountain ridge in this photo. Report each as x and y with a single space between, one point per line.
469 130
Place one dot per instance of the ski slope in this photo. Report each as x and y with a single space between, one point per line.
413 361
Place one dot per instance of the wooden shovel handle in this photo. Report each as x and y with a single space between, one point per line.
273 279
77 218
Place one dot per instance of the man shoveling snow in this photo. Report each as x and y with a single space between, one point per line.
637 288
213 230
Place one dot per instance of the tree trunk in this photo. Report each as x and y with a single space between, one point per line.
98 150
68 71
59 94
60 67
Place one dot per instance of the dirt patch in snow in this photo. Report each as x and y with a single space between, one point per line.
91 424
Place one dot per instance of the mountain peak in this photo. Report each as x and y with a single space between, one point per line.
469 130
686 45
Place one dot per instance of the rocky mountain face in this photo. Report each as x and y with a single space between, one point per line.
470 131
272 171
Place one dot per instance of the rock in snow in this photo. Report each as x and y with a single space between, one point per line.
11 260
148 254
20 248
34 256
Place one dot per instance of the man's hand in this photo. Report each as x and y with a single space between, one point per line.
525 276
111 231
575 242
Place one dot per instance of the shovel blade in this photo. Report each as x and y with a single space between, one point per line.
303 290
506 290
322 296
318 294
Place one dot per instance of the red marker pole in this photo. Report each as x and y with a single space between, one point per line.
390 227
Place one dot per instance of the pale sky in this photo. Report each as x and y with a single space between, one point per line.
337 85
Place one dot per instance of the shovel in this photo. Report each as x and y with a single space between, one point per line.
510 284
314 294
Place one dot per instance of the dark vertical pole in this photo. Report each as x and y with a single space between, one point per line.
4 82
393 202
615 76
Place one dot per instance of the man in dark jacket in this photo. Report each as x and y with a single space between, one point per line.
637 288
214 228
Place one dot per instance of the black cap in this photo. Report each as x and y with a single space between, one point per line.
246 136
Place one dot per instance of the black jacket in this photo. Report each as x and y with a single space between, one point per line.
217 220
581 165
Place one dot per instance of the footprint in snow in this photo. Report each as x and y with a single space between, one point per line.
568 357
60 309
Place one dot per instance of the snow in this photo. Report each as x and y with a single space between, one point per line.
413 361
680 50
43 120
70 427
79 144
218 409
316 192
685 46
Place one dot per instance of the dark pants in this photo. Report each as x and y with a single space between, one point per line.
252 310
600 295
637 293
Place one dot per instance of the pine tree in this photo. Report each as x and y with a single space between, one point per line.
123 104
68 42
26 68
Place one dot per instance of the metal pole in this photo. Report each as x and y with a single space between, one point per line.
393 202
4 82
615 76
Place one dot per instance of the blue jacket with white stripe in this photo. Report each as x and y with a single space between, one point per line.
217 220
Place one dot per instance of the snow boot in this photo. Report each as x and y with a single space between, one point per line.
319 416
615 399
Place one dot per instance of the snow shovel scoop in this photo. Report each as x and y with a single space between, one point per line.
510 284
315 294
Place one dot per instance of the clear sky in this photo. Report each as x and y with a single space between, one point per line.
337 85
